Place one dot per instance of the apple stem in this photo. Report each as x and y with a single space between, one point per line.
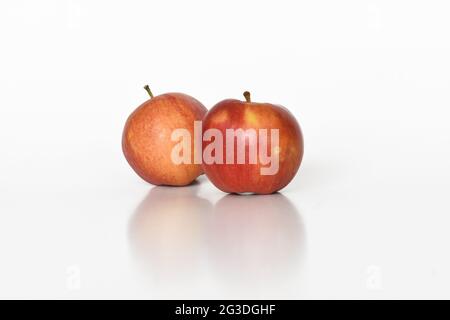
247 96
147 88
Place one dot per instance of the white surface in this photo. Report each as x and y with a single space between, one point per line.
367 216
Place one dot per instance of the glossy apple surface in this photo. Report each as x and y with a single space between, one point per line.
247 177
146 140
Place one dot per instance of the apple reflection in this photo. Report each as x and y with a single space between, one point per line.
167 234
246 246
256 243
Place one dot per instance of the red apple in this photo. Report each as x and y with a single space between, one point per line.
243 166
147 143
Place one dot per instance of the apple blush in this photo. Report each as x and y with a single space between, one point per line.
147 143
252 166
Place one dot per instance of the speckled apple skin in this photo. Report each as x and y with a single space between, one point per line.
146 139
247 178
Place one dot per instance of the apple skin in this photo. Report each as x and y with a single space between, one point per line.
146 140
246 178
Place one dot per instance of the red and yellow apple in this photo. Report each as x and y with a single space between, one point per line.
147 143
263 119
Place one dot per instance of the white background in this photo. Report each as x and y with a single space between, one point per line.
367 216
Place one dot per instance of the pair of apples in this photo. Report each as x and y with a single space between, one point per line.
148 142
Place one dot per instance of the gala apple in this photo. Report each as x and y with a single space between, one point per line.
147 138
251 147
